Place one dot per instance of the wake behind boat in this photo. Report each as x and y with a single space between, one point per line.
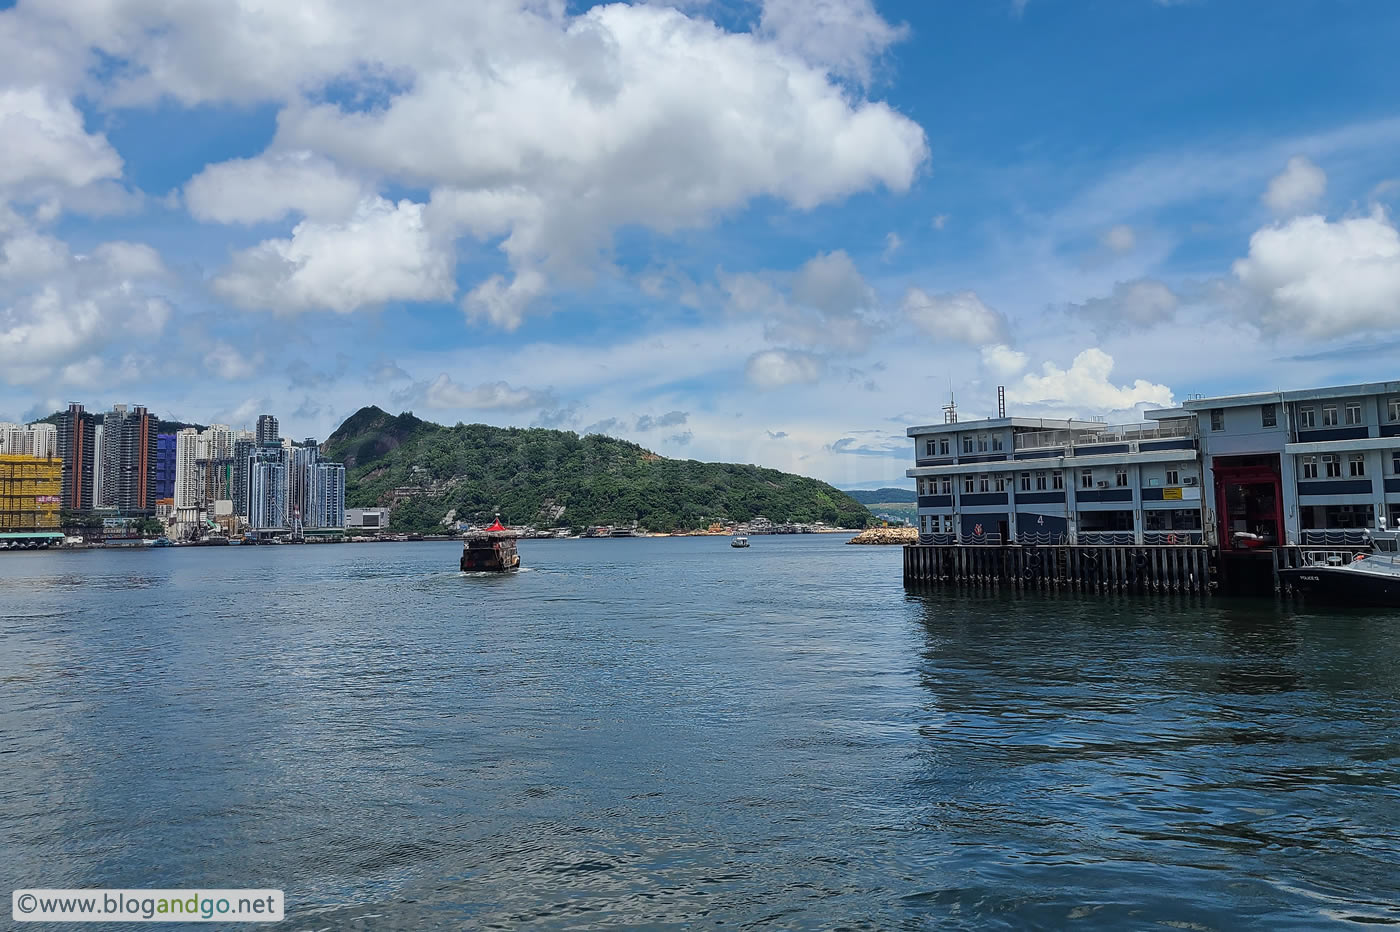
1346 579
490 550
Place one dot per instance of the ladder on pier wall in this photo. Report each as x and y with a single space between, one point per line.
1184 568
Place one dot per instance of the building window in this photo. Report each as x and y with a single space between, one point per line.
1173 477
1040 482
1353 413
923 524
1057 480
1332 465
947 524
1122 475
967 444
981 443
1001 482
984 483
996 442
942 446
1356 464
1395 462
969 484
1086 479
1309 467
1307 418
1268 415
1025 482
1329 415
1392 409
1217 418
928 448
947 485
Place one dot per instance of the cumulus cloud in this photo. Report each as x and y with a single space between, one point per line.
1120 239
960 317
46 143
271 186
893 243
382 253
1085 388
844 36
228 363
65 313
777 368
1142 303
1325 278
1299 186
445 394
1002 360
830 306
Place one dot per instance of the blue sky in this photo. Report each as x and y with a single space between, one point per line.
774 232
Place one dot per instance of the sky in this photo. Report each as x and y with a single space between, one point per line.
760 231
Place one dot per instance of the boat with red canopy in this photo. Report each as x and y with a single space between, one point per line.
490 550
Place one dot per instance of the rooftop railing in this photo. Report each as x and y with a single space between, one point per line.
1124 433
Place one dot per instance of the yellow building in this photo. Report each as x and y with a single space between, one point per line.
30 491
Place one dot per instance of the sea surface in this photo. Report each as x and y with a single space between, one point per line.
672 733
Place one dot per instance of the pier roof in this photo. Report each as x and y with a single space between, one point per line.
991 423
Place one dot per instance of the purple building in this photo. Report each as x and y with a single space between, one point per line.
165 465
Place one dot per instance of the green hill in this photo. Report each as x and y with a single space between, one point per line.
882 496
554 478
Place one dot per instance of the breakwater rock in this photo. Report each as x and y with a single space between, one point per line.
886 535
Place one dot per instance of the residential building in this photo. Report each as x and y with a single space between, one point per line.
29 440
76 442
243 446
165 466
267 431
186 492
129 449
325 499
267 490
97 476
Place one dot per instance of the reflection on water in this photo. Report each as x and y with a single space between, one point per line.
671 732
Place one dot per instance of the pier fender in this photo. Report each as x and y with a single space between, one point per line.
1140 560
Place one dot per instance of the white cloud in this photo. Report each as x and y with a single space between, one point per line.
1324 278
1299 186
960 317
45 143
444 393
1120 238
1085 388
940 221
830 306
1003 360
503 303
269 187
383 253
60 311
893 243
229 364
1142 303
777 368
842 35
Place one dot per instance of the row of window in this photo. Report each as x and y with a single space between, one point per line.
1331 465
982 443
1038 481
1349 412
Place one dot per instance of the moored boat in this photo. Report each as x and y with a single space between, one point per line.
1350 579
739 541
491 550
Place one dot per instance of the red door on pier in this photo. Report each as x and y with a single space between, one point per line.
1249 498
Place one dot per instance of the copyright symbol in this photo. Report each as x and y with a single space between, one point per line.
26 903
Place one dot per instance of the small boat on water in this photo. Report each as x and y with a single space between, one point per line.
739 541
1342 578
490 550
162 542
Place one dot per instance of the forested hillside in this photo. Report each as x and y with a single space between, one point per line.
553 478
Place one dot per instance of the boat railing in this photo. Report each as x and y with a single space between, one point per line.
1328 557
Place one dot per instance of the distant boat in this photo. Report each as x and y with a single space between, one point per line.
491 550
162 542
739 541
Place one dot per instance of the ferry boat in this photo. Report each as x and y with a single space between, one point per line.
491 550
739 541
1346 579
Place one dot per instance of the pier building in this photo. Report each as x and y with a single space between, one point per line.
1233 485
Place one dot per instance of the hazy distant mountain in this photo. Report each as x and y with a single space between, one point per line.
882 496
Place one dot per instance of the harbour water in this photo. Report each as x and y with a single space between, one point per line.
675 733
